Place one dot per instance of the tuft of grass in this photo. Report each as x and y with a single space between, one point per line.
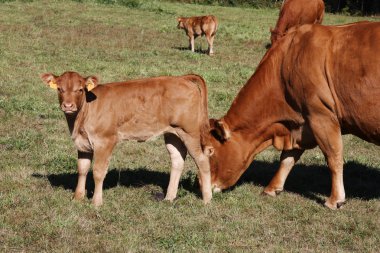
119 42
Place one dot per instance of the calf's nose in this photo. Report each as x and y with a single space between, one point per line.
67 105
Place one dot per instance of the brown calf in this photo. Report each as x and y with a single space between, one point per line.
315 84
199 26
99 116
297 12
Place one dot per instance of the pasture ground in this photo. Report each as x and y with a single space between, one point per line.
38 159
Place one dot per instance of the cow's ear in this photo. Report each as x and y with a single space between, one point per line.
221 129
179 19
91 82
271 30
50 80
209 151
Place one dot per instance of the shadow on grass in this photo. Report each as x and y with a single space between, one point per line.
306 180
125 177
197 50
360 181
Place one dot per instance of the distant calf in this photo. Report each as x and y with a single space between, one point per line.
297 12
99 116
199 26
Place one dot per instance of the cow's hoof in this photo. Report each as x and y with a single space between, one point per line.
271 192
334 205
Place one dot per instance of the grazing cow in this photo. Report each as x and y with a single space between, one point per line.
315 84
99 116
199 26
297 12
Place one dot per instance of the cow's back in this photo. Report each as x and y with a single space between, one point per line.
298 12
341 66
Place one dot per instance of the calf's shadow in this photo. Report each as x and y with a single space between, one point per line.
309 181
196 50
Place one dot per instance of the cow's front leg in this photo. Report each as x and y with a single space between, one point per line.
102 156
177 152
287 161
84 163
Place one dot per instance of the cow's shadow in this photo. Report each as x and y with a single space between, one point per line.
310 181
198 50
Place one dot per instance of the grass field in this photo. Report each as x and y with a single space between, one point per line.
38 159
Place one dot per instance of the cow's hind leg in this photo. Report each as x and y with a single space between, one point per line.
102 155
177 152
84 163
194 148
287 161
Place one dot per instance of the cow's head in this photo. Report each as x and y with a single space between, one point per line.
71 88
226 161
181 23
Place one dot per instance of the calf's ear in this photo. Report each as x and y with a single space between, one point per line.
50 80
91 82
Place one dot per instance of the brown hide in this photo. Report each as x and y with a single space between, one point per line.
101 116
199 26
316 83
297 12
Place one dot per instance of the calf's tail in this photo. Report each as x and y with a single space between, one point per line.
205 125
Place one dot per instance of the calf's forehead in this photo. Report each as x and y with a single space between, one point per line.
70 80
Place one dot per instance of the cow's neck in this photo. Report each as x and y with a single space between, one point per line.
260 115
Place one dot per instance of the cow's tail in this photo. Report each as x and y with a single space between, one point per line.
205 125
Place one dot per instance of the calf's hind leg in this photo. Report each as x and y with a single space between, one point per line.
210 41
193 145
177 152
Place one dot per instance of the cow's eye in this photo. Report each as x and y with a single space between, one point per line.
80 90
59 90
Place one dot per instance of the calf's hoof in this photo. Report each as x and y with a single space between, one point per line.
97 202
207 198
78 196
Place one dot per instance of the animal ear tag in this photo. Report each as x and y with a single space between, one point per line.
53 84
90 85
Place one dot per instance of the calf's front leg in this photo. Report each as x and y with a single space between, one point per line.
84 163
102 156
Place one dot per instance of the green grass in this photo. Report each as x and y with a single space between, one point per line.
37 157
